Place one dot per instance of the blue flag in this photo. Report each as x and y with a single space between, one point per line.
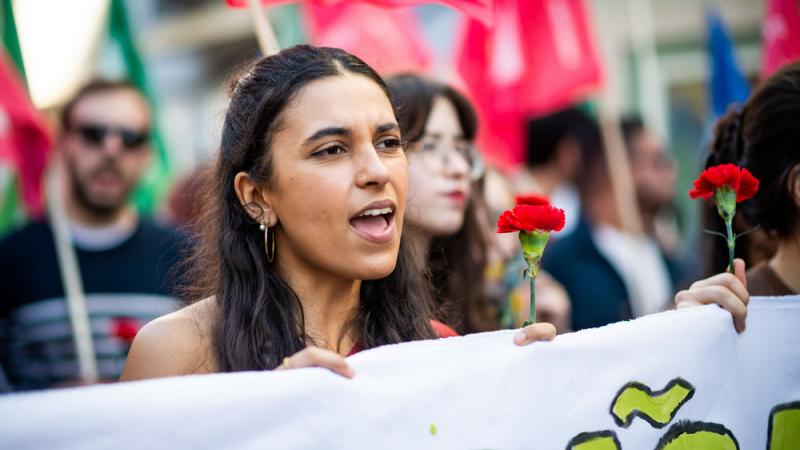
728 84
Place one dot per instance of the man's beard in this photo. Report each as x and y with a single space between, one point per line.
81 194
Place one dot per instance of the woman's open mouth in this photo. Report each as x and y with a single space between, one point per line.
375 223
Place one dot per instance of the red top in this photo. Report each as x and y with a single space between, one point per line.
442 331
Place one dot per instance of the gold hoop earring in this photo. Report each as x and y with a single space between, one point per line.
269 240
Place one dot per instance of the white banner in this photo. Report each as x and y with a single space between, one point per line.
675 381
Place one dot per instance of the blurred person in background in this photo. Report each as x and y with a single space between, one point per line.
555 146
610 274
124 259
447 217
764 137
655 173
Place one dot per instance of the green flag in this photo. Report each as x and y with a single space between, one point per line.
10 38
157 179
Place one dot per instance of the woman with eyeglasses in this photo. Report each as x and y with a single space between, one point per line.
301 260
447 219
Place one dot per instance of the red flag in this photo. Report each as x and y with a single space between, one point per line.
24 139
539 57
482 10
781 35
390 42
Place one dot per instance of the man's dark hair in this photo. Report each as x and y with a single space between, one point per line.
544 134
631 126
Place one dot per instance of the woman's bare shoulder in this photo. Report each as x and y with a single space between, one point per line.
175 344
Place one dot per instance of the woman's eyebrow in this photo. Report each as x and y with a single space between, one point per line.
328 131
388 126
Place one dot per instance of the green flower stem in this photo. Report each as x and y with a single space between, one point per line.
533 244
731 243
725 198
532 318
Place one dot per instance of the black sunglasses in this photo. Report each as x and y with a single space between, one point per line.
96 134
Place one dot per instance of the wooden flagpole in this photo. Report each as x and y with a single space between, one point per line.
71 277
619 171
267 41
618 165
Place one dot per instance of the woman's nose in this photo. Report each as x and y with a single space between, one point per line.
371 170
455 164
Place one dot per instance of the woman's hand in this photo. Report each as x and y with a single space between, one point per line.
540 331
724 289
318 357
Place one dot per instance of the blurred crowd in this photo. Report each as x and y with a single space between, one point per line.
595 272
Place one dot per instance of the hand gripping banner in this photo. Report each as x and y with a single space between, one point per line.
672 381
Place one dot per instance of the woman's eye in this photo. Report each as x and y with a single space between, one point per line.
389 144
330 151
428 146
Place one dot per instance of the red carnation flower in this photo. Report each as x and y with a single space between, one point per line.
531 199
125 328
725 175
728 184
507 223
531 218
534 218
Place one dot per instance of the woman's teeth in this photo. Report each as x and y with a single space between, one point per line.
376 212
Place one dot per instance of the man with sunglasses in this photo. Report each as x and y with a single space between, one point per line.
124 259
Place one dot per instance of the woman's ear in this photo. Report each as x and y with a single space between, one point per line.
794 184
254 199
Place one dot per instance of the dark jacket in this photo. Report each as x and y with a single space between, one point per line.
597 292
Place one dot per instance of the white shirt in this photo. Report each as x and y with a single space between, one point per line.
566 197
102 238
641 266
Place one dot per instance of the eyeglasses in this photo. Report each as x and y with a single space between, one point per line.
435 153
96 134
